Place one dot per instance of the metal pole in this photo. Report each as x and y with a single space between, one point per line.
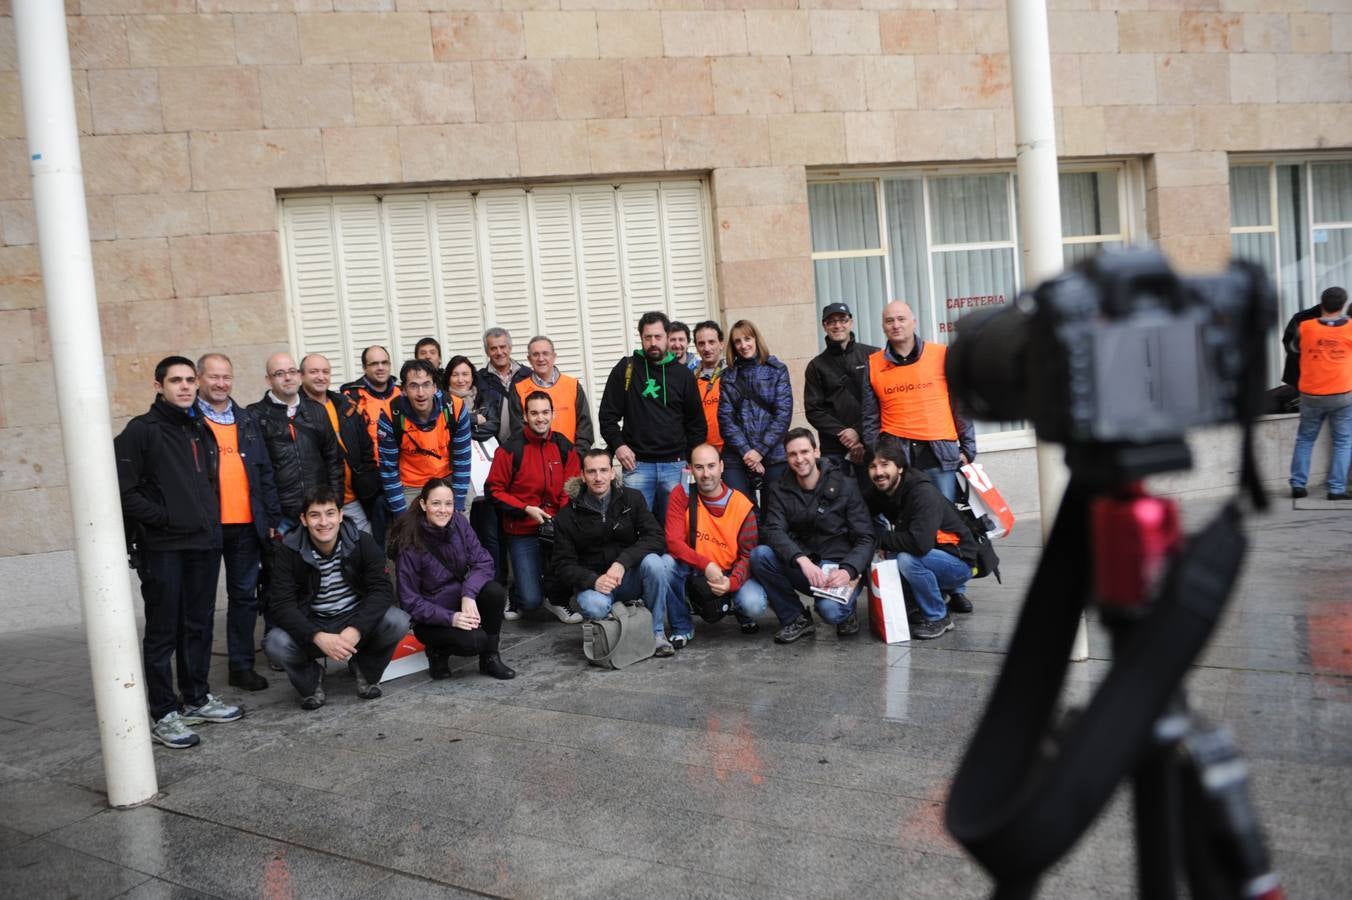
82 399
1030 64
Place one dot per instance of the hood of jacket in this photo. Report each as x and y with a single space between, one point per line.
576 485
299 540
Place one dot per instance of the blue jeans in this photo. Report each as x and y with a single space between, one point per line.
654 480
243 557
648 581
179 590
748 601
738 477
528 571
483 518
783 581
1311 420
930 577
946 482
303 664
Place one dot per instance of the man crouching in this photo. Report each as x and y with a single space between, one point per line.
331 598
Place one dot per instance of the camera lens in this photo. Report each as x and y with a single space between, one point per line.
986 369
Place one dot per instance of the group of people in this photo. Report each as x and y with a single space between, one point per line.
699 499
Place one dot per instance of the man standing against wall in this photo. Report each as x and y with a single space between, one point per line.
361 479
1325 346
833 391
572 414
500 376
426 435
708 376
678 342
373 393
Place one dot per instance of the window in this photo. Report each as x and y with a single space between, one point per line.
578 263
1294 218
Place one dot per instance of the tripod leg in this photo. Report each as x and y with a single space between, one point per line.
1156 795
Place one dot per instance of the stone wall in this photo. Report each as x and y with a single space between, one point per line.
194 113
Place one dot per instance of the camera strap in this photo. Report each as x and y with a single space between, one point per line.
1023 795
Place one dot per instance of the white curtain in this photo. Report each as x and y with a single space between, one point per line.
844 216
907 248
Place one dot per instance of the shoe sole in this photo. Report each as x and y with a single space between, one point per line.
203 720
173 746
801 634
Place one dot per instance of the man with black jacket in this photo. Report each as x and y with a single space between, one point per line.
332 598
167 475
608 547
361 478
833 392
651 416
817 537
934 549
300 440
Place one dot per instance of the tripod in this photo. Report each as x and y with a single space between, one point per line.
1027 789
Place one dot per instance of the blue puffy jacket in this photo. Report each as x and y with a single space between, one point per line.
755 404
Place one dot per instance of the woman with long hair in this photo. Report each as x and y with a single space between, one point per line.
755 405
460 383
446 584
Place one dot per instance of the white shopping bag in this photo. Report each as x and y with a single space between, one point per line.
480 461
887 603
985 500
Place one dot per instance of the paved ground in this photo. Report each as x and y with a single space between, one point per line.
737 769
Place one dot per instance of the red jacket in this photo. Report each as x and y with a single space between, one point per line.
539 480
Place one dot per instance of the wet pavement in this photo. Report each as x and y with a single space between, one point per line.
737 769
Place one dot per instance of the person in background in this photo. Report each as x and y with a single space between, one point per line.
708 376
755 405
499 377
361 477
1325 346
678 342
429 348
833 392
483 514
373 393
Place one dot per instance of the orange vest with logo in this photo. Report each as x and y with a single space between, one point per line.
563 394
371 407
235 508
1325 358
716 536
913 400
424 455
709 389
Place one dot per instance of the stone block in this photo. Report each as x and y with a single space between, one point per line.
31 457
160 215
945 134
412 93
1309 78
561 35
1253 78
307 96
553 148
459 152
362 155
1230 127
275 158
710 142
1200 209
1335 125
890 82
1192 79
668 87
365 37
196 40
1154 31
845 32
808 139
157 327
235 101
778 31
589 88
619 146
1288 126
908 31
125 101
628 34
962 82
1148 129
98 42
1342 32
132 270
1266 33
230 212
135 7
705 33
760 186
17 223
1312 33
870 137
988 29
1067 81
1199 169
754 84
954 33
11 106
762 232
15 180
1196 254
102 218
793 337
1082 31
30 387
226 264
1117 79
135 163
777 283
9 51
17 340
272 40
36 521
247 319
1211 32
828 83
515 91
478 35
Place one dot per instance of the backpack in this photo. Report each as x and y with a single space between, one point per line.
517 447
397 422
987 561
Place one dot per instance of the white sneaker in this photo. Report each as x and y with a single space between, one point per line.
564 614
511 614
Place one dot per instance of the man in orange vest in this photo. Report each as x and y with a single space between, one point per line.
361 479
1325 346
249 510
714 565
373 393
425 435
908 398
708 371
572 415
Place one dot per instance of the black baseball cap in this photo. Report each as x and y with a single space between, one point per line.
835 309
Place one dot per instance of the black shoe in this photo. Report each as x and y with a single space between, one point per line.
365 689
248 679
928 631
750 627
1343 496
849 626
438 664
493 666
1297 493
959 603
794 630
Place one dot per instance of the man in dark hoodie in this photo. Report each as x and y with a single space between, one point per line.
934 549
651 416
608 547
167 472
833 392
332 598
361 478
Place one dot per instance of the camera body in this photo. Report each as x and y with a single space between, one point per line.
1120 350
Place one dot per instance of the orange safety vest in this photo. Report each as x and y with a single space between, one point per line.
913 400
709 389
371 407
716 536
563 394
348 495
424 455
235 508
1325 358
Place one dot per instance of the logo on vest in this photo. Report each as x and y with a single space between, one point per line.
907 388
702 536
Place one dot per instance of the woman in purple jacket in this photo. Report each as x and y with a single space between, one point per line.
445 584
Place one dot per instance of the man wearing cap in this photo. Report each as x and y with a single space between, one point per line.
833 391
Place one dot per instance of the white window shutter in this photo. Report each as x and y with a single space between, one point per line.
608 327
505 241
362 277
457 249
412 290
313 280
687 270
556 280
641 248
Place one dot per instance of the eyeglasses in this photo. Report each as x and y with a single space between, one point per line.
282 373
